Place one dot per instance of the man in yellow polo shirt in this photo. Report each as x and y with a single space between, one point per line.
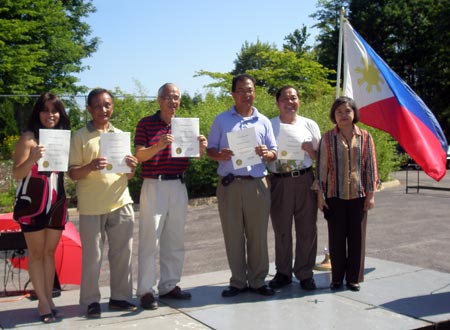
105 208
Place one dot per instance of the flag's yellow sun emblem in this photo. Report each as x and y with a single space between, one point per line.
370 75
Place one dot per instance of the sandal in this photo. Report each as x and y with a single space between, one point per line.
48 318
57 314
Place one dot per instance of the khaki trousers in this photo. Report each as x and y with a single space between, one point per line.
117 226
244 213
163 210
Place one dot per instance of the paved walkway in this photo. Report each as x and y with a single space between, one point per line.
407 284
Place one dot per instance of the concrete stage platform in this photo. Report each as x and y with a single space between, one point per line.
393 296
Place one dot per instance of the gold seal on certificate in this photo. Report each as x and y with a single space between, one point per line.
238 162
179 151
109 167
45 164
284 153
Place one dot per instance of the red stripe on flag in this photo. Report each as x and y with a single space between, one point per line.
414 137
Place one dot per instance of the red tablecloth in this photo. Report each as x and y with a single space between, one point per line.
67 255
7 223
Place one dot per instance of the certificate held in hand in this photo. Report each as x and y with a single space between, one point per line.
243 144
57 145
114 147
185 132
290 143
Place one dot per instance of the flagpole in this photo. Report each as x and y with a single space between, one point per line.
338 76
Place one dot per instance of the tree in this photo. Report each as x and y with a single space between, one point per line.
328 25
296 42
8 125
248 58
282 68
437 67
222 80
412 36
288 68
42 44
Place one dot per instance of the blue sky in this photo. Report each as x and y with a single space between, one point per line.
157 41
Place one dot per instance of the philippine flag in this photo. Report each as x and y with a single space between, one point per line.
386 102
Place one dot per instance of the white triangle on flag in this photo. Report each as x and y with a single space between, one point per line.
362 80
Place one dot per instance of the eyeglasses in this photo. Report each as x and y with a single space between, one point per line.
171 98
245 92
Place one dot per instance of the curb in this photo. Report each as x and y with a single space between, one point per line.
390 184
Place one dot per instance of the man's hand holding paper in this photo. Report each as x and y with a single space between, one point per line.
243 144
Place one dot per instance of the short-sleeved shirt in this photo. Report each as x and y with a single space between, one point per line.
308 131
97 193
148 132
230 121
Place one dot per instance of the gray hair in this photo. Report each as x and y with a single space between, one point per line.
161 89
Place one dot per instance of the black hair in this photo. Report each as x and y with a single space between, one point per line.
344 100
282 89
241 77
96 91
34 123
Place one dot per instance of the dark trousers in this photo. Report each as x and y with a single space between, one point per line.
346 236
293 202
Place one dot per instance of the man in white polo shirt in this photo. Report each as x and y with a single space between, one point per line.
293 201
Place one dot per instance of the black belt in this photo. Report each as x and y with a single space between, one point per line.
163 177
227 179
293 174
244 177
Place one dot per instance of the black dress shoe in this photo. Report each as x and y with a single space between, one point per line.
94 311
264 290
232 291
176 293
353 286
149 302
335 285
121 305
308 284
279 281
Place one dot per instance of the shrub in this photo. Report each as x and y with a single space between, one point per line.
201 178
70 187
7 200
8 145
135 184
